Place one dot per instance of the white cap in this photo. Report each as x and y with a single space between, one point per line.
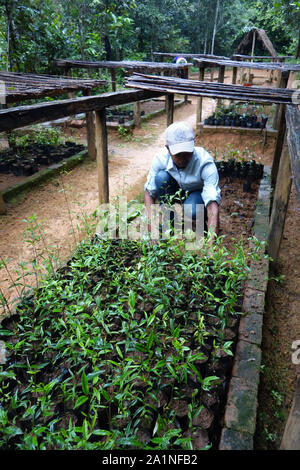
181 60
180 138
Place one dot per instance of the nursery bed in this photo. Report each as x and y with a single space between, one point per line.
18 163
128 346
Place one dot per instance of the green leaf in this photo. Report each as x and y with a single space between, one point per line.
119 352
84 383
80 401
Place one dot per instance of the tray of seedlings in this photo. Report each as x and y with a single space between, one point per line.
121 114
248 171
29 153
129 346
237 116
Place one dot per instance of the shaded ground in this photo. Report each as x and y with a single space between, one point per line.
60 203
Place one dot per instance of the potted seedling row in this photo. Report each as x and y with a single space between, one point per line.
128 346
240 169
26 160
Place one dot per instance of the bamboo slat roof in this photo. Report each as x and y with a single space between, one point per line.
20 86
134 65
188 56
253 65
211 89
279 58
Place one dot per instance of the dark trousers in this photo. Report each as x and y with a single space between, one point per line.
167 186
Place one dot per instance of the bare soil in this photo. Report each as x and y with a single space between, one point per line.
59 203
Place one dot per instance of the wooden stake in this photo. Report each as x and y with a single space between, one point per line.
90 131
280 204
102 155
291 435
113 79
3 208
252 54
137 114
170 108
282 82
234 75
279 144
186 76
221 80
199 101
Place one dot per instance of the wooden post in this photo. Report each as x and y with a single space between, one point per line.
137 114
279 144
199 101
221 76
281 83
113 79
291 435
69 74
3 208
186 76
252 54
90 131
102 155
234 75
211 74
170 108
280 204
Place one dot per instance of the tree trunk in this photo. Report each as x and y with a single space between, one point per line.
298 47
215 27
8 48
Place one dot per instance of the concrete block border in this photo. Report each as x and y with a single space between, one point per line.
241 408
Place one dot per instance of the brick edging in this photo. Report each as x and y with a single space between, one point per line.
241 407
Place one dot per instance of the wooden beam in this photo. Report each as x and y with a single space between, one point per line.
102 155
200 99
170 108
49 111
280 204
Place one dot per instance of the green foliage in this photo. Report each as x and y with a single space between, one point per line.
100 337
34 32
46 136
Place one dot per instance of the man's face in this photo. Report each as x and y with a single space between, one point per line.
182 159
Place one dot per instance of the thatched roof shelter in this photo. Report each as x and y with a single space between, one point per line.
261 37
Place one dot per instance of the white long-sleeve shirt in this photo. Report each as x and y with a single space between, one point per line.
200 174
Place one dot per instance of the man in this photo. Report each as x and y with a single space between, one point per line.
182 166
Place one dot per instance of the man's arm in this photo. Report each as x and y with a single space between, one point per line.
149 201
213 217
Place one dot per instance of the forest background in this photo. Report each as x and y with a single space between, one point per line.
34 32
